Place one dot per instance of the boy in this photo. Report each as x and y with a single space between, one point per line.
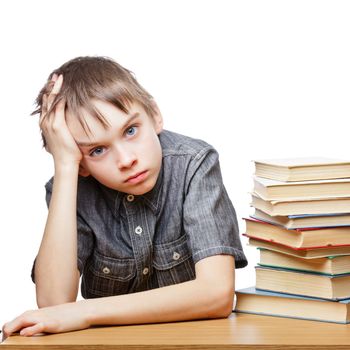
139 212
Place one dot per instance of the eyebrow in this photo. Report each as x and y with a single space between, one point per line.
92 144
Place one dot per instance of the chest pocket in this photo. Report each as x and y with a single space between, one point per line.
106 276
172 262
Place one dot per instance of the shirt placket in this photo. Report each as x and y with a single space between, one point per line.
140 240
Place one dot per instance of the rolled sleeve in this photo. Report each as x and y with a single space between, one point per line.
210 219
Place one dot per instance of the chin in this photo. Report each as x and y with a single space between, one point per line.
142 188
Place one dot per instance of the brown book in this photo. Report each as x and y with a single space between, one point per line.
303 190
298 238
299 207
253 301
306 253
330 265
303 221
302 169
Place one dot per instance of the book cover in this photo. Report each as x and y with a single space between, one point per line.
304 221
302 168
309 237
301 162
303 283
290 191
330 265
259 302
306 253
301 207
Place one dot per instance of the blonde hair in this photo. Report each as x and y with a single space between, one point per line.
95 77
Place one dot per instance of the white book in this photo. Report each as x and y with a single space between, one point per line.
303 168
271 190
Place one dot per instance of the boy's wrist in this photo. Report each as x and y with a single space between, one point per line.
67 167
89 311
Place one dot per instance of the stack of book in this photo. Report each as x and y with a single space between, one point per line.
301 227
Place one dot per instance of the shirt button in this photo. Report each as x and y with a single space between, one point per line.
130 197
138 230
145 271
176 256
106 270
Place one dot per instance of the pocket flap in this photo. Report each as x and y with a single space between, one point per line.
168 255
113 268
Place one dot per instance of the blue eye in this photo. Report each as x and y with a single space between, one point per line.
131 131
97 152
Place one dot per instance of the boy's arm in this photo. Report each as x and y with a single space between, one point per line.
56 272
210 295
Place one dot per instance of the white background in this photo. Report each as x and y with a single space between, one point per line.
256 79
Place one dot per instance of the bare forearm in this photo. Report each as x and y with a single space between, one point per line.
184 301
56 273
210 295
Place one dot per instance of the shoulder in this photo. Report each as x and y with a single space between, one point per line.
174 144
184 157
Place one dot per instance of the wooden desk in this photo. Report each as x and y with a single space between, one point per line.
239 331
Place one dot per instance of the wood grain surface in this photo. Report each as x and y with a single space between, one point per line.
239 331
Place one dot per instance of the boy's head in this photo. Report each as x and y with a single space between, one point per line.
100 78
114 121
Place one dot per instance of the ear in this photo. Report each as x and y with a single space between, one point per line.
82 171
157 118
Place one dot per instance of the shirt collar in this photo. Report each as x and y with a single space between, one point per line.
152 198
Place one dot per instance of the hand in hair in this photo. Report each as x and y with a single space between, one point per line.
59 140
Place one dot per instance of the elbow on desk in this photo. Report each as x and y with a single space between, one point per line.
225 305
220 303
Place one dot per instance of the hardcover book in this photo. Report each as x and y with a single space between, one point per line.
303 283
300 207
304 221
330 265
302 190
298 238
253 301
306 253
302 169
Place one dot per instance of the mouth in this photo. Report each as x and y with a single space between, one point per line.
137 177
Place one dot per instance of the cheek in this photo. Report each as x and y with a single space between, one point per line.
94 168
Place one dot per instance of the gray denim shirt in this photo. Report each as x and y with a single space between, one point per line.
130 243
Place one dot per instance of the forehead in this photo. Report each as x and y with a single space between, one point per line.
94 128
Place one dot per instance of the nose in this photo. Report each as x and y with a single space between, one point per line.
125 157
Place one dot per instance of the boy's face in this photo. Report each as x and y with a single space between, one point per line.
129 147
